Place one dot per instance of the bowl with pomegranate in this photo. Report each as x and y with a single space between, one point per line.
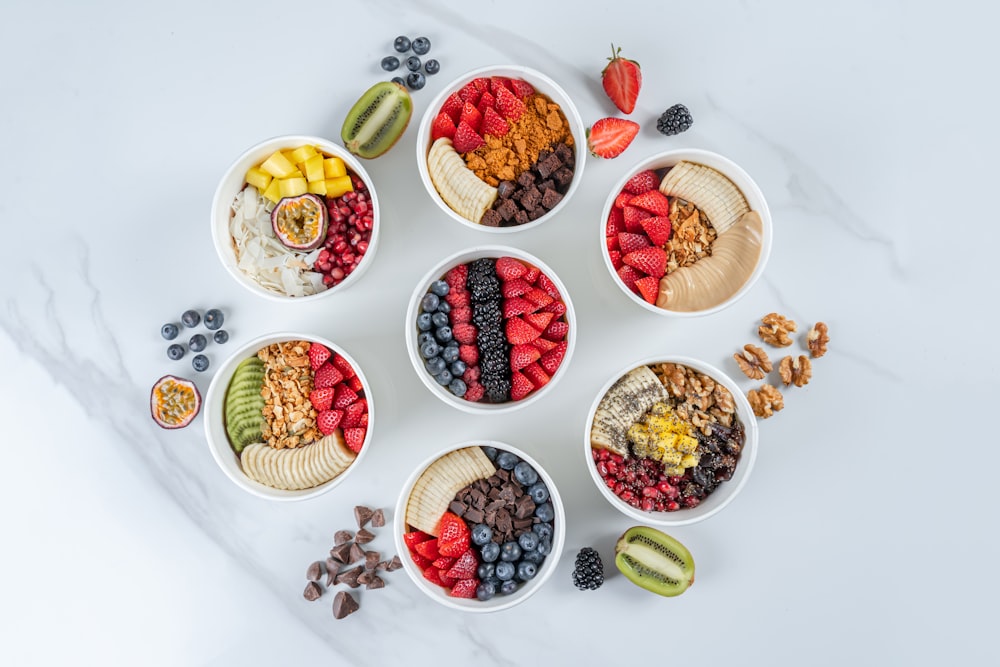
295 218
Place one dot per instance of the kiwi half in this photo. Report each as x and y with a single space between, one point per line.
377 120
655 561
244 404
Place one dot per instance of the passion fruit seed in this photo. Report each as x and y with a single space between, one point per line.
653 560
300 222
377 120
174 402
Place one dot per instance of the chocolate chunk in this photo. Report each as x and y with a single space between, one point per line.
530 198
371 559
474 515
562 177
549 165
507 210
537 212
526 179
342 536
456 507
518 490
490 518
551 198
547 184
565 154
363 515
364 536
503 521
496 504
332 568
357 553
493 494
505 189
315 571
350 577
312 591
342 553
394 564
503 475
378 518
521 525
482 485
491 218
543 155
478 499
507 493
366 577
524 507
344 604
376 582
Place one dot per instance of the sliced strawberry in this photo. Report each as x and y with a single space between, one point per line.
616 222
471 117
497 82
465 334
515 287
651 261
453 107
536 374
633 218
609 137
628 242
458 298
354 412
443 562
520 386
545 283
464 588
544 344
355 438
465 566
616 258
433 575
344 366
657 229
508 105
516 306
522 355
318 355
485 102
466 139
550 360
355 383
493 123
519 331
415 537
481 83
419 560
612 241
539 320
327 421
456 276
327 376
621 80
443 126
344 396
539 297
621 201
508 268
321 399
531 277
521 88
653 201
475 392
557 330
453 535
472 374
557 308
428 549
470 93
468 354
644 181
628 276
649 288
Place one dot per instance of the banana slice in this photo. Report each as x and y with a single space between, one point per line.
625 403
458 186
298 468
711 191
436 487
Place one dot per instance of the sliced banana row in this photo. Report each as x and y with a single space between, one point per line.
298 468
717 196
436 487
624 404
458 186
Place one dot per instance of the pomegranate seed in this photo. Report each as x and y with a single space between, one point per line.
323 255
342 227
602 469
610 482
619 488
675 480
617 458
650 492
328 280
691 501
337 273
612 466
627 495
362 207
644 478
660 505
647 505
672 492
630 476
604 454
596 454
362 247
340 247
673 506
634 502
344 211
348 257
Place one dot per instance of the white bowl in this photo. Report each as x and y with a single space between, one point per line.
752 193
215 430
724 493
413 348
542 84
499 602
233 181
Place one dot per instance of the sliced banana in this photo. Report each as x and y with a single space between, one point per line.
710 190
625 403
436 487
298 468
458 186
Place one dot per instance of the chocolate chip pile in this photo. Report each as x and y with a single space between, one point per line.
347 551
535 192
501 502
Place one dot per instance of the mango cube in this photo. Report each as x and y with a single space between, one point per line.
273 191
314 168
292 187
334 167
258 178
278 165
317 187
338 186
301 154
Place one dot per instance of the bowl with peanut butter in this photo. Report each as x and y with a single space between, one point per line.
686 233
501 149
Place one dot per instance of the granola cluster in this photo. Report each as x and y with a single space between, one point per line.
692 238
699 399
289 416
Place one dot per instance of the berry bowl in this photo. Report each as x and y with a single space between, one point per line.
479 526
490 329
670 441
501 148
685 233
295 218
288 416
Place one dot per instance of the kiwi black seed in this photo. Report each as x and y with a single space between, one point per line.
653 560
377 120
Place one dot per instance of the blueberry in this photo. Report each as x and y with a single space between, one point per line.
538 492
425 321
200 362
425 337
510 551
543 530
485 570
432 67
508 587
493 580
545 512
390 63
485 590
169 331
506 460
457 367
525 474
481 534
490 552
533 557
213 319
544 546
399 81
413 64
431 349
190 318
197 343
505 571
402 44
491 453
421 45
440 287
526 570
458 387
435 365
415 80
221 336
444 307
443 334
528 540
430 302
443 378
439 319
450 353
175 351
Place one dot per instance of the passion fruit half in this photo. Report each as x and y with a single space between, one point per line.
174 402
377 120
300 222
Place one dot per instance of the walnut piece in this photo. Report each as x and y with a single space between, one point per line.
765 401
817 340
698 398
753 362
797 371
775 329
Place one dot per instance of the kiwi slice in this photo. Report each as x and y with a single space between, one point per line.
377 120
244 404
655 561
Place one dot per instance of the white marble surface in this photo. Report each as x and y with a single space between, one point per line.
866 533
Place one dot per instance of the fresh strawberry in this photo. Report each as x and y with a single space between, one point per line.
609 137
522 355
481 83
628 276
354 412
468 354
545 283
539 297
536 374
557 330
318 355
508 105
453 535
516 306
453 107
327 421
616 222
539 320
651 261
621 79
515 287
355 438
456 276
493 123
628 242
508 268
471 117
433 575
644 181
421 562
465 334
327 376
485 102
634 217
443 126
458 298
464 588
543 344
344 366
653 201
470 93
444 562
415 537
446 581
475 392
550 360
520 386
657 229
531 277
519 331
355 383
344 396
497 82
621 201
321 399
649 288
471 374
428 549
466 139
612 241
616 258
521 88
465 566
557 308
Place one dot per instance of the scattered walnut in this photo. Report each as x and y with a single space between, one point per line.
765 401
817 340
775 330
797 371
753 362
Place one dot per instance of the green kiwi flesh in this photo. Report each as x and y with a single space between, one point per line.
377 120
244 404
653 560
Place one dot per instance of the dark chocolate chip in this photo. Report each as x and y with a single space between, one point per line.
315 571
357 553
524 507
332 568
366 577
363 515
503 521
456 507
341 553
342 536
378 518
474 515
507 493
371 559
350 577
312 592
394 564
376 582
344 604
364 536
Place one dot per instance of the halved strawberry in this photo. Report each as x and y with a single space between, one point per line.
545 283
465 334
616 258
612 242
322 398
522 355
521 88
466 139
453 107
621 79
557 330
634 217
344 366
550 360
464 588
508 268
651 261
481 83
327 376
536 374
520 386
628 242
355 383
508 105
539 297
609 137
318 355
460 315
456 276
519 331
621 201
493 123
649 288
644 181
470 93
418 560
539 320
544 344
628 275
428 549
653 201
443 126
516 306
471 116
355 438
515 287
344 396
557 308
415 537
433 575
468 354
354 412
532 275
616 222
485 102
453 535
657 229
444 562
465 566
327 421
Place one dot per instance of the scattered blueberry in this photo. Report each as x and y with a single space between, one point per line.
430 302
425 321
481 534
169 331
525 474
544 512
439 319
490 552
485 570
200 362
485 590
506 460
508 587
431 349
432 66
505 571
175 351
421 45
443 378
402 44
458 387
415 80
424 338
450 353
399 81
443 334
197 343
543 530
457 367
390 63
213 319
440 288
510 552
413 63
526 570
491 453
221 337
435 365
528 541
190 318
538 492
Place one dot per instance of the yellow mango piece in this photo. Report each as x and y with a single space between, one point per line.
273 191
301 154
314 168
338 186
317 187
293 187
278 165
334 167
258 178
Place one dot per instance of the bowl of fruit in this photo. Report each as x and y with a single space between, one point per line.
670 440
501 148
288 416
480 526
295 218
490 329
686 233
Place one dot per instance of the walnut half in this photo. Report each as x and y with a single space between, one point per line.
775 329
753 362
817 340
795 371
765 401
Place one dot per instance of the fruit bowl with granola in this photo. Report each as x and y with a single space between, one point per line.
288 416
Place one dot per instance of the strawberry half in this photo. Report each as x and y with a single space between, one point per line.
485 102
644 181
609 137
649 288
453 535
557 330
327 376
466 139
321 399
628 275
464 588
520 386
508 268
519 331
550 360
471 116
508 105
318 355
522 355
354 412
628 242
493 123
516 306
428 549
539 320
354 438
344 366
622 80
327 421
465 566
344 397
521 88
415 537
653 201
443 126
536 374
633 217
616 222
657 229
652 261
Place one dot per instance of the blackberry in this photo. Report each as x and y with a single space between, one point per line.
482 282
674 120
497 392
588 572
487 315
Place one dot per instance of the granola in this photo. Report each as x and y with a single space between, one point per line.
817 339
765 401
795 371
753 362
775 329
692 237
700 399
289 416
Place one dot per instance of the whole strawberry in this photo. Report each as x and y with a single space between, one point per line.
622 79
